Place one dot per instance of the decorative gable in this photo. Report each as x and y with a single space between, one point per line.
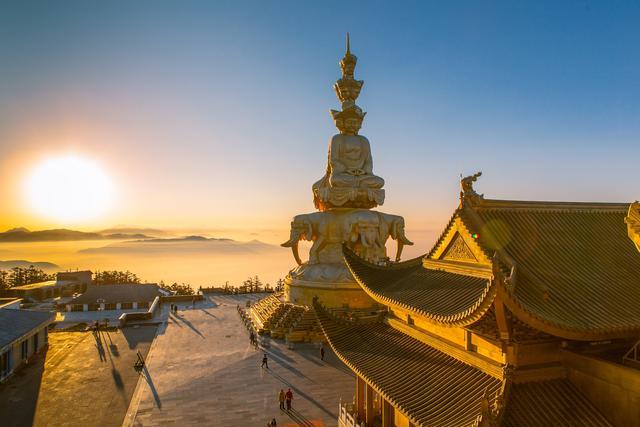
458 250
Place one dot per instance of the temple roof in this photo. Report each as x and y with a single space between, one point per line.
16 323
577 271
428 386
113 294
440 296
435 389
554 402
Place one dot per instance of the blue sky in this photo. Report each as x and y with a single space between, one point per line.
216 113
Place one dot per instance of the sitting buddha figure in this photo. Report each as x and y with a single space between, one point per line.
350 162
349 180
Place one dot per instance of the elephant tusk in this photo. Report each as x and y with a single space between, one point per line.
399 251
296 254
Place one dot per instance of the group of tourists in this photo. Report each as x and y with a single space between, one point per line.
174 309
285 398
246 319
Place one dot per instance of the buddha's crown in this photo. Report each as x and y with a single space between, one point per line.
348 89
348 63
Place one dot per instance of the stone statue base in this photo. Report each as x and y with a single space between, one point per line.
332 294
326 272
325 198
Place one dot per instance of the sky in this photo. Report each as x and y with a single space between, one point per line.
215 115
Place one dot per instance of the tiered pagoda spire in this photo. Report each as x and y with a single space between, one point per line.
348 89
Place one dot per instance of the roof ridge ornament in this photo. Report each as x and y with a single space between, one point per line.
348 46
633 223
467 193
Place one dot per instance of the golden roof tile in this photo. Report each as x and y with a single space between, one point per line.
428 386
439 296
550 403
578 272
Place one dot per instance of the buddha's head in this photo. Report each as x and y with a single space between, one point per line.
348 65
351 126
349 120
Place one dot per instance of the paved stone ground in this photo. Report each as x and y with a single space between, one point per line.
202 370
82 380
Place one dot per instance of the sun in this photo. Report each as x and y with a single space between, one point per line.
68 188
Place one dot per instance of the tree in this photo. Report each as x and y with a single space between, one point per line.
178 289
19 276
257 284
115 277
4 280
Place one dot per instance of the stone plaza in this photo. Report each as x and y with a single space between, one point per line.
83 378
201 369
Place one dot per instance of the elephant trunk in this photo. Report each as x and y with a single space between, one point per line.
293 244
289 243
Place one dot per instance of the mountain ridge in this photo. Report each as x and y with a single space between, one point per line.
21 234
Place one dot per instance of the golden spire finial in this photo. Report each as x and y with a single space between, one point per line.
348 49
348 88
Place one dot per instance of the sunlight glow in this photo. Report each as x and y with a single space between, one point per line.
68 188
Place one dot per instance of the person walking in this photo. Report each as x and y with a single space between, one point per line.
194 302
289 398
321 352
252 338
264 362
171 309
281 398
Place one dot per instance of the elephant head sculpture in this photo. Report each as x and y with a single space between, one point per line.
301 228
393 226
362 233
310 227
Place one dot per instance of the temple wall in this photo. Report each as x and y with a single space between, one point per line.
537 353
400 420
613 389
487 348
455 335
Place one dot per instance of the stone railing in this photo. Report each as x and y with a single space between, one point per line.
182 298
347 416
140 315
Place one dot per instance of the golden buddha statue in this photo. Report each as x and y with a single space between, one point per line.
349 180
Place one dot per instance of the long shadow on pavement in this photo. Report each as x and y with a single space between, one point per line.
312 359
190 325
285 365
208 314
299 418
99 346
19 394
276 351
299 392
135 336
147 376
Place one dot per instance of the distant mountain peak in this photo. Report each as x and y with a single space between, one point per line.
18 230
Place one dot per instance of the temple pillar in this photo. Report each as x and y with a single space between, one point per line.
387 414
369 405
360 402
